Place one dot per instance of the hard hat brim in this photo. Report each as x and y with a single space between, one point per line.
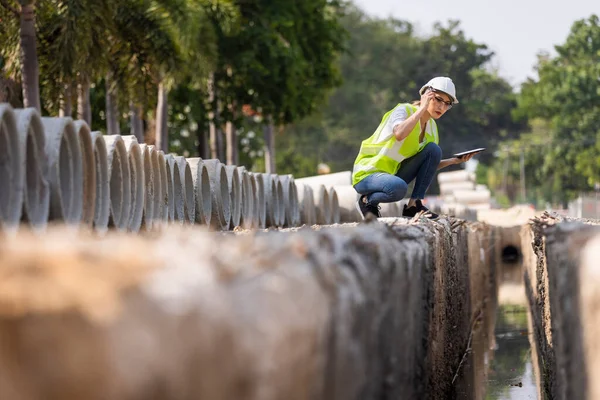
454 99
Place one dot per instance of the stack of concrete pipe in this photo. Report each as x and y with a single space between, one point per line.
461 196
58 170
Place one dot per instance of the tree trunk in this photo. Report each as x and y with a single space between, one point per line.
30 69
84 111
162 133
66 102
135 119
231 138
269 146
212 116
112 109
203 149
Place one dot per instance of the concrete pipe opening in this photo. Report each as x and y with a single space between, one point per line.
187 189
335 207
136 174
36 191
511 255
347 198
306 203
280 201
271 200
178 200
102 202
235 193
221 202
12 171
167 190
201 190
322 205
120 187
149 188
290 194
248 187
90 185
260 206
65 170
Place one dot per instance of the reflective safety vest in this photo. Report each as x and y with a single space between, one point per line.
383 153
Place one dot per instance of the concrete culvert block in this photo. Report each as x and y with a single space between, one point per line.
150 186
187 189
12 171
235 193
248 188
271 200
138 182
201 190
65 170
178 200
334 217
120 182
90 185
167 188
260 205
221 206
102 202
36 189
347 198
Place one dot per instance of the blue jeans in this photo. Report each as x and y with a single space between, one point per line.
387 188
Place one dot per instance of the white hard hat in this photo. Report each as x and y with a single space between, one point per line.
443 84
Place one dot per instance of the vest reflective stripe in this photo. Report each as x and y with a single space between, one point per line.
383 153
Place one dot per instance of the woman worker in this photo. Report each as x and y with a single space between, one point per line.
405 148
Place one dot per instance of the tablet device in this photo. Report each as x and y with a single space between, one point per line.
474 151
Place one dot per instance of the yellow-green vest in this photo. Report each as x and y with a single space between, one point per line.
383 153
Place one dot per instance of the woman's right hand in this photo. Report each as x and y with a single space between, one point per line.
426 98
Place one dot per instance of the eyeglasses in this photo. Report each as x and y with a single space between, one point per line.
448 104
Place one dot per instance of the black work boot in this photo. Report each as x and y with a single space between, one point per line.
410 212
364 207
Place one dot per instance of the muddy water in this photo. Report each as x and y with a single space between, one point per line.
510 374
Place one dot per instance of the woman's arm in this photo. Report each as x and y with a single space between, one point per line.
453 161
403 129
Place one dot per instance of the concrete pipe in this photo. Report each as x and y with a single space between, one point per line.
178 200
306 203
260 205
456 176
290 194
187 189
102 202
271 200
65 170
472 196
120 182
347 198
201 190
36 189
151 178
138 182
219 190
248 215
334 206
12 171
450 187
235 195
89 172
328 180
280 201
166 192
322 204
389 209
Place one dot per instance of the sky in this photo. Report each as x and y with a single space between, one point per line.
516 30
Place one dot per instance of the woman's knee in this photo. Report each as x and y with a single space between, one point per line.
434 151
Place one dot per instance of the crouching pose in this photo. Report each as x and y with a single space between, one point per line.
405 148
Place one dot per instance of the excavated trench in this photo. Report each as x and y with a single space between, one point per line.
393 309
